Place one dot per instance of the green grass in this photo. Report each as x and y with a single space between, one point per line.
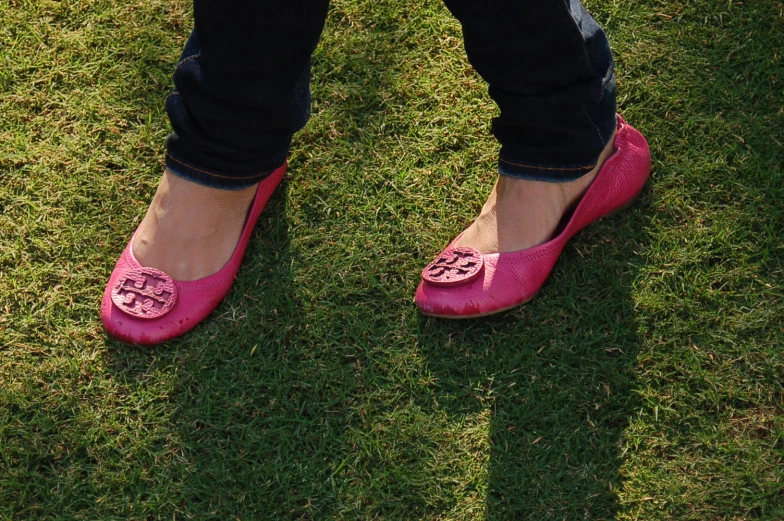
646 382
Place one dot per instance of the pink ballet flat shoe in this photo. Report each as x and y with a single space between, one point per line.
146 306
463 283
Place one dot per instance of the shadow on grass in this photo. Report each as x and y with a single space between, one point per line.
236 393
559 378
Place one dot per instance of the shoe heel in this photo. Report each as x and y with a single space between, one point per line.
625 206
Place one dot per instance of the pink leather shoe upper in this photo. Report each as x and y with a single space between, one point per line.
145 306
510 279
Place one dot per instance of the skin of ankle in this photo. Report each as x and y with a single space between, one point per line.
190 231
521 213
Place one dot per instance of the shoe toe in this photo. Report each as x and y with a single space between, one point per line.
144 306
506 281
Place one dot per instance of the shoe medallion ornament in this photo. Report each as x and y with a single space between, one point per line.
145 293
454 267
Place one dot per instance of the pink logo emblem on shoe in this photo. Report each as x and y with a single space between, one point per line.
455 266
145 293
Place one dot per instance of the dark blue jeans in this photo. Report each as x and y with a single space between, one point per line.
242 86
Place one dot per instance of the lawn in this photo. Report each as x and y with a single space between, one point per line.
645 382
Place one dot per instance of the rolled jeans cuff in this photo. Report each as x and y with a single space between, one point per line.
550 174
591 150
212 179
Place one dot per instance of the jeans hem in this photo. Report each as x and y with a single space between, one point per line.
550 174
211 179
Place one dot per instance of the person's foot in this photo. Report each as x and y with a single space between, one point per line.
520 213
190 230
